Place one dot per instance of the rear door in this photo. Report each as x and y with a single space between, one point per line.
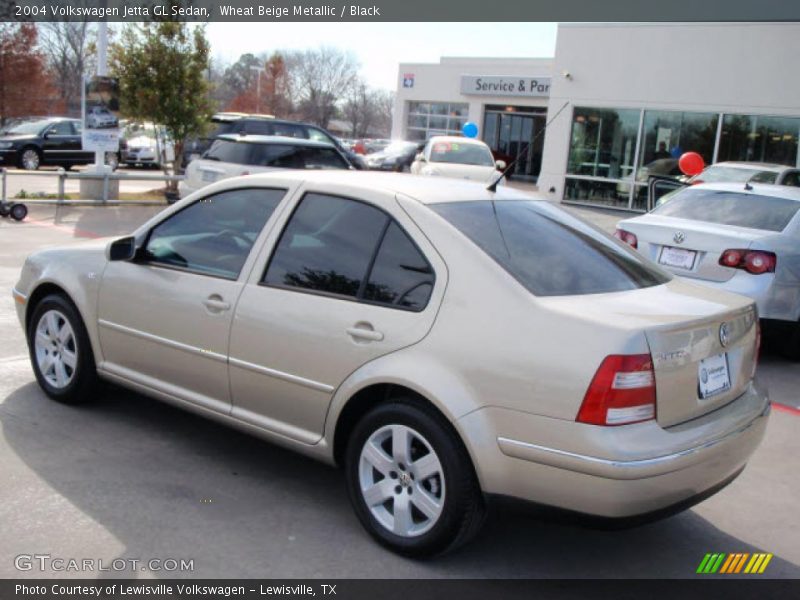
348 281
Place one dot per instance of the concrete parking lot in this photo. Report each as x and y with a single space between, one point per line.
128 477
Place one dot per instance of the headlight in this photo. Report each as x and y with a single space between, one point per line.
6 144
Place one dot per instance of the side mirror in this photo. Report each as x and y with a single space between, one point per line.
500 164
123 249
420 157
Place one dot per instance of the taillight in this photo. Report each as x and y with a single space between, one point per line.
622 391
627 237
752 261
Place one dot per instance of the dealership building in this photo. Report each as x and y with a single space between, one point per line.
621 101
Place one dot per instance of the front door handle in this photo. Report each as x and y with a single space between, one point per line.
215 303
364 331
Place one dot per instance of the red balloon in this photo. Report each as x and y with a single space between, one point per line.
691 163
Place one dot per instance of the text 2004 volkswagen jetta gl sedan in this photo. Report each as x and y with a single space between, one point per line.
442 342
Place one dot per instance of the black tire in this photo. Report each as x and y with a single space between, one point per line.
83 380
463 510
5 209
18 211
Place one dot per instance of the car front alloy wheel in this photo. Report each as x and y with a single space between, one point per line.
30 159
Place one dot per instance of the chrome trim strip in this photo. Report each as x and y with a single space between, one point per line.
309 383
19 296
163 341
617 469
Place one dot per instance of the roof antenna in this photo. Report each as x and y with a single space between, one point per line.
748 187
492 187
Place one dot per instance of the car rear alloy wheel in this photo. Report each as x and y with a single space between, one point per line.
61 354
30 159
401 480
411 481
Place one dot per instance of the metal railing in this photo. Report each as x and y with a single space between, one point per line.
63 175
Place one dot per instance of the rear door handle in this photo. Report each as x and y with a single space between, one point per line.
216 303
365 334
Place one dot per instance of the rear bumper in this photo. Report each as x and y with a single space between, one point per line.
184 189
613 471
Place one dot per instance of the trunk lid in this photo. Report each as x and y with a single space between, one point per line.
202 172
690 248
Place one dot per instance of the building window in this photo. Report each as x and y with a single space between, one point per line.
426 119
760 139
602 147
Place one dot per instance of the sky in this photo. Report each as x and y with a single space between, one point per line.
380 47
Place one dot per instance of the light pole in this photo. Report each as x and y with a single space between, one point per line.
258 88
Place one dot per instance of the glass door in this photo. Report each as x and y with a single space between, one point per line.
515 136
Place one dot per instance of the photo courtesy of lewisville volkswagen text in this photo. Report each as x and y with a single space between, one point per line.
329 299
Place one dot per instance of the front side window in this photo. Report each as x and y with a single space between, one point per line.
61 128
348 248
320 136
549 252
214 235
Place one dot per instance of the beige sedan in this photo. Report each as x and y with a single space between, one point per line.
441 342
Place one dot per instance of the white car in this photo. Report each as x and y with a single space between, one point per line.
754 172
99 117
233 155
146 145
460 158
738 237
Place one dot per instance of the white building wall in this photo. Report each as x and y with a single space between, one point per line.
441 82
725 67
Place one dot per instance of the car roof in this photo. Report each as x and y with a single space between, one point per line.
751 165
427 190
754 189
456 138
272 139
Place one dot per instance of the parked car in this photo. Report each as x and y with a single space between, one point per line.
397 156
146 145
232 155
48 141
225 123
99 117
733 237
441 342
459 157
755 172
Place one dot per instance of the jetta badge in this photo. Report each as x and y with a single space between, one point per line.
679 237
724 334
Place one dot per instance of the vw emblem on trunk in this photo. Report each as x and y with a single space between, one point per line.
679 237
724 334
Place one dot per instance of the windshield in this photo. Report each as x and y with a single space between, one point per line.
548 251
461 153
28 128
730 208
139 129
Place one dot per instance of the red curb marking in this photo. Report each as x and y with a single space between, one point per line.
75 230
787 409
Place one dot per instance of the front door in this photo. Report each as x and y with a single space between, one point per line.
60 145
345 285
164 318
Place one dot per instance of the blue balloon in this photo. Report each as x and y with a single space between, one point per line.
676 152
470 130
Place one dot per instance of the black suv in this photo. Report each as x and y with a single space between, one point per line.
241 123
46 141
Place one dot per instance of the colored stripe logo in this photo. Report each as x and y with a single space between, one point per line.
738 562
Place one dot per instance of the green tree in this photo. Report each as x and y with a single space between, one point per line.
162 71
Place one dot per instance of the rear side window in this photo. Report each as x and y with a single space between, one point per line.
730 208
231 152
764 177
285 156
348 248
257 127
548 251
289 130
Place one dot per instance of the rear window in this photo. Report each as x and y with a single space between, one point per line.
461 153
730 208
548 251
735 175
285 156
231 152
